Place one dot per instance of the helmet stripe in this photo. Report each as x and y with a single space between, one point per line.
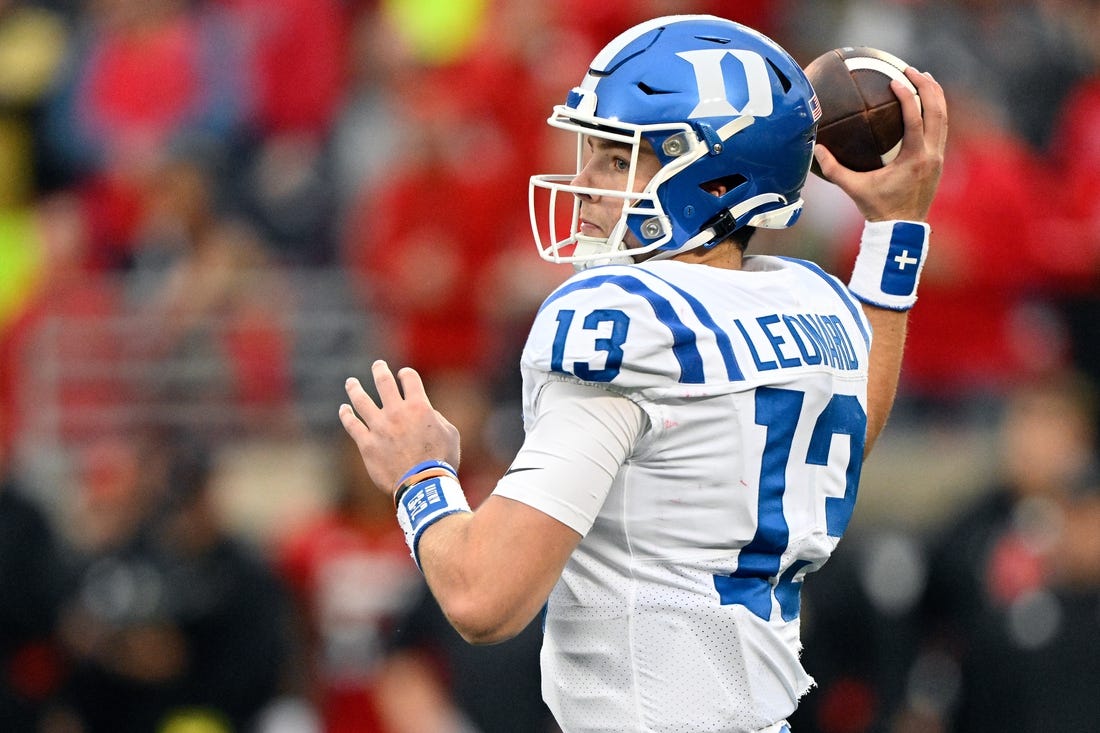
624 39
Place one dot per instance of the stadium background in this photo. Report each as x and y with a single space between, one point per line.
211 212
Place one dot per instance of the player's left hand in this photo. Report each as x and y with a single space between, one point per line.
404 431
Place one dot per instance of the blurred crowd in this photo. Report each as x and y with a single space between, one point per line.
213 211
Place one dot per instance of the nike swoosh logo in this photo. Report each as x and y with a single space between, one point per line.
527 468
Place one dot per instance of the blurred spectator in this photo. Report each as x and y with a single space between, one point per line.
1009 636
22 253
352 578
1020 56
113 624
143 77
424 236
436 681
296 53
31 584
204 320
1073 222
22 260
287 190
172 624
33 41
217 300
366 135
1075 150
600 23
57 291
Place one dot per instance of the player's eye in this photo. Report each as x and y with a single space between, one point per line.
621 165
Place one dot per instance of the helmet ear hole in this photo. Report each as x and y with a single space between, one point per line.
721 186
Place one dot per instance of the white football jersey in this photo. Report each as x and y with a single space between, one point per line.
679 610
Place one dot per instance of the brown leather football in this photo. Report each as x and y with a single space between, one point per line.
861 122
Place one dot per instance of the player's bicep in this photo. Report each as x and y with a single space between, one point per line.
579 439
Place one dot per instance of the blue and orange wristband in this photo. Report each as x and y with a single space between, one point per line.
426 493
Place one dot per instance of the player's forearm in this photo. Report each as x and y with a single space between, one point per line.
887 349
488 570
460 577
884 280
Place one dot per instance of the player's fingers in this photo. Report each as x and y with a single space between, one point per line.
934 102
830 167
384 382
412 386
353 425
910 112
360 400
927 87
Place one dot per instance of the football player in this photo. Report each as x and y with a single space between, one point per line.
696 418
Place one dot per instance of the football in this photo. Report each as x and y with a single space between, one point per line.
861 122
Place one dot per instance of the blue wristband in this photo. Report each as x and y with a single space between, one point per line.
426 502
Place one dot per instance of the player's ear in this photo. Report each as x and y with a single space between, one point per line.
715 188
719 187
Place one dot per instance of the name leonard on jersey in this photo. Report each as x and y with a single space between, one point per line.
798 340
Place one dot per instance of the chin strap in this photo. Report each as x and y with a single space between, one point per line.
725 223
780 218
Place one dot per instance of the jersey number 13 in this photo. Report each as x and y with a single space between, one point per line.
758 578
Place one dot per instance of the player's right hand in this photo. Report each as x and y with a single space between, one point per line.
904 188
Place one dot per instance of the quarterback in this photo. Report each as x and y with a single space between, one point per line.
696 417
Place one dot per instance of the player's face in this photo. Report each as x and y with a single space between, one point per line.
607 166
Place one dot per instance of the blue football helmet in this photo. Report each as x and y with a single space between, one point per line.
717 102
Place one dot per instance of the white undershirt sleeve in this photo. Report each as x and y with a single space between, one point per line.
579 439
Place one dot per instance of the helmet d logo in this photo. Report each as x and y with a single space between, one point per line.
711 81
